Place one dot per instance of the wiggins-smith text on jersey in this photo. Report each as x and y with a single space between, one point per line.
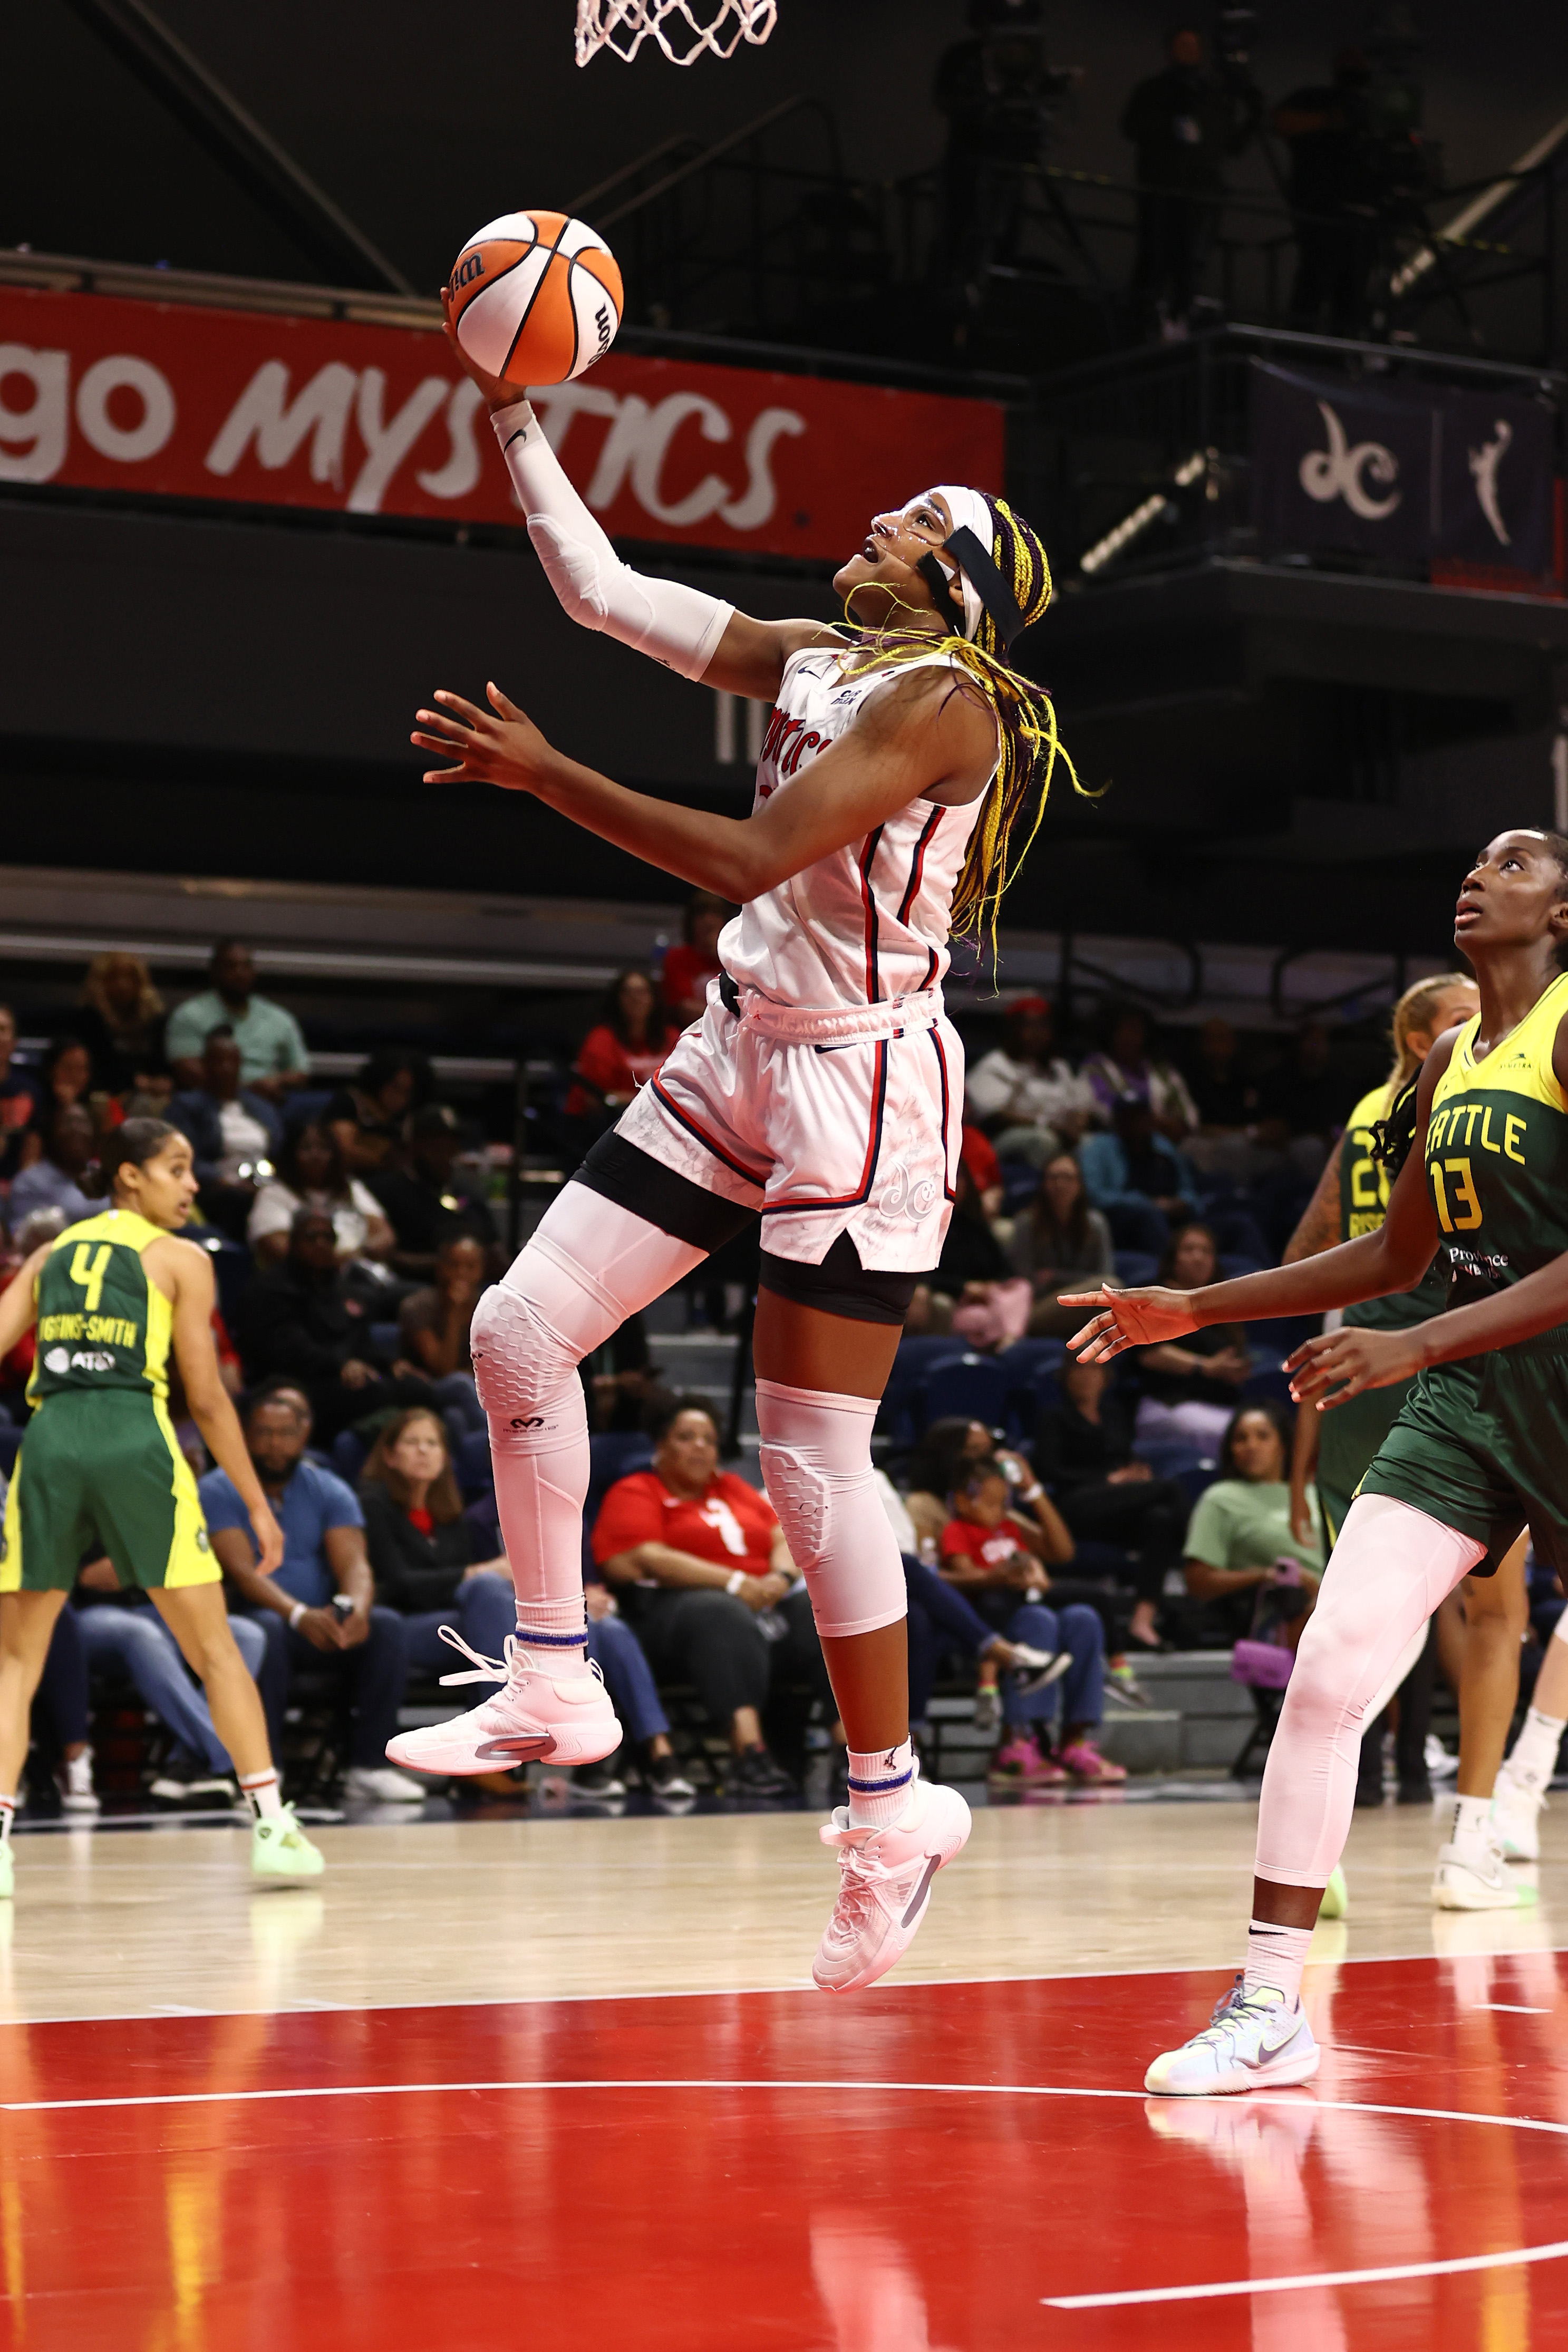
103 1323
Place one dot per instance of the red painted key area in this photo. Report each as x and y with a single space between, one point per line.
925 2168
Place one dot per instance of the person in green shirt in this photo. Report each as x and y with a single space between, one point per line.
1242 1524
273 1060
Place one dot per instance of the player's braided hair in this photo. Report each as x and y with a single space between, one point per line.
1012 808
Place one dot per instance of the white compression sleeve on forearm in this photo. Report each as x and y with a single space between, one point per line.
677 626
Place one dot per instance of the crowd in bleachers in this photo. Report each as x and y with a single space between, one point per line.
1059 1522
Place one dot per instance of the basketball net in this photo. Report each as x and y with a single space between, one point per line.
683 28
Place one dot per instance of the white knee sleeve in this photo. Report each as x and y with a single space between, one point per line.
817 1463
1391 1568
589 1266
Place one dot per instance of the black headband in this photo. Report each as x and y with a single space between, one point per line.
983 578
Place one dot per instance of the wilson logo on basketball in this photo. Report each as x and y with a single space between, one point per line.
469 266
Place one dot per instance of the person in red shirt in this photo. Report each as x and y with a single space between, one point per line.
998 1561
704 1575
689 968
622 1052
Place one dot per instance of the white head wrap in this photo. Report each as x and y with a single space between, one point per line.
967 508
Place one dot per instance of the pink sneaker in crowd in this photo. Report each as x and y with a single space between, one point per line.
1084 1762
1020 1765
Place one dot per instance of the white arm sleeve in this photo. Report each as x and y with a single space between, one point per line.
677 626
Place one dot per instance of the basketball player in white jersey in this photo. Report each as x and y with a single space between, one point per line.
823 1088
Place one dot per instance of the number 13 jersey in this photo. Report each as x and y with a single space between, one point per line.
1497 1154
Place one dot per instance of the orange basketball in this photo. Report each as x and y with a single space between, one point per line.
536 297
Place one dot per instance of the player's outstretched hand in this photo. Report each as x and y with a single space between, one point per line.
1331 1370
1131 1319
498 746
496 390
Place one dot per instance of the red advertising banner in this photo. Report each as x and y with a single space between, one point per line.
177 400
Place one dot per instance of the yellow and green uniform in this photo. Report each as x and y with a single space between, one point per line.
100 1464
1350 1436
1479 1442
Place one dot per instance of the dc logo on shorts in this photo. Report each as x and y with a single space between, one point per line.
907 1197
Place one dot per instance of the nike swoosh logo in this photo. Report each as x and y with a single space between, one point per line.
933 1864
517 1749
1277 2050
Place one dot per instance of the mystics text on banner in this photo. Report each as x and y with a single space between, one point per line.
175 401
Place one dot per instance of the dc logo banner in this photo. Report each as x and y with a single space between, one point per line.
1335 466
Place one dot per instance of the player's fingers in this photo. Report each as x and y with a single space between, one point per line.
464 710
451 776
508 709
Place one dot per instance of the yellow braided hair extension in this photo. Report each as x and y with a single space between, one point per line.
1015 805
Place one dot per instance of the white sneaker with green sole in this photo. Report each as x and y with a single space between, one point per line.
280 1849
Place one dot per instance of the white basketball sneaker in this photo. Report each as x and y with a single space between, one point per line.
884 1885
567 1718
1515 1818
1253 2041
1473 1878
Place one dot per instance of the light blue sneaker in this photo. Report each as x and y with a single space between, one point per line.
1253 2041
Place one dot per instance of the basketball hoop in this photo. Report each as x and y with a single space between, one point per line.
683 28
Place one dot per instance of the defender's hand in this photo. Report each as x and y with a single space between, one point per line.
1348 1361
498 746
1131 1319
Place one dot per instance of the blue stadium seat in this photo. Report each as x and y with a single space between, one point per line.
1135 1267
384 1338
1020 1183
309 1102
1231 1267
614 1456
896 1417
1169 1457
348 1455
977 1387
233 1267
472 1465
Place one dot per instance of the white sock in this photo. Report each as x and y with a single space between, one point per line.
880 1785
557 1630
1471 1815
1276 1956
262 1793
7 1815
1534 1757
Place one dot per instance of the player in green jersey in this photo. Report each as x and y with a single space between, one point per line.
1477 1451
100 1467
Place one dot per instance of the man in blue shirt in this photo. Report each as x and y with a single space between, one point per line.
318 1609
1137 1179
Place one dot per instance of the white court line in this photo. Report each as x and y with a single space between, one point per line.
1508 2259
1514 2008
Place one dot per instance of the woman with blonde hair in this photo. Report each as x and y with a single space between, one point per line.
119 1020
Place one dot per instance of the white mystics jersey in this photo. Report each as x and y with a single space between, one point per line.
870 922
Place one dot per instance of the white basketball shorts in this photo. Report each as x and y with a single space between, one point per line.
828 1122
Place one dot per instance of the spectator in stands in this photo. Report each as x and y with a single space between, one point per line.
1240 1528
120 1023
996 1557
20 1098
236 1135
28 1234
122 1632
973 1291
50 1182
433 1324
311 1175
363 1648
1083 1453
689 968
1184 124
272 1056
699 1560
1137 1179
1227 1107
65 1078
947 1452
1060 1243
60 1709
624 1048
1303 1100
365 1117
1022 1094
1190 1385
424 1200
978 1154
422 1548
1123 1065
301 1321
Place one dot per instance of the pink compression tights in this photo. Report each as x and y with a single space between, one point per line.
588 1266
1390 1569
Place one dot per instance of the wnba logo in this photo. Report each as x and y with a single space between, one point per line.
471 266
907 1197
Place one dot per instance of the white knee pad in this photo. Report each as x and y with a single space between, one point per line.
817 1463
525 1372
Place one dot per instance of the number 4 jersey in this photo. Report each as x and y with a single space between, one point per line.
101 1323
